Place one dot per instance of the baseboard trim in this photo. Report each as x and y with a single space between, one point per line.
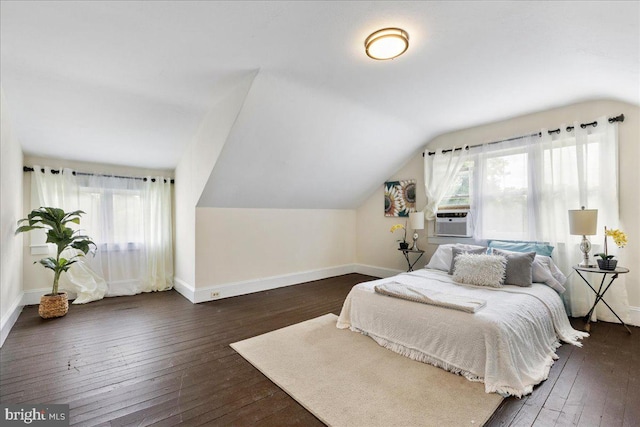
184 289
228 290
634 316
9 319
32 297
371 270
215 292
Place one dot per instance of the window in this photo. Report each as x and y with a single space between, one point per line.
129 219
504 190
114 216
459 194
505 185
495 184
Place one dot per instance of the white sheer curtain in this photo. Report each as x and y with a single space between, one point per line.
61 190
158 234
523 190
54 189
128 219
440 170
579 168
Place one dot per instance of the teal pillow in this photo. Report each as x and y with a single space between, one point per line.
520 246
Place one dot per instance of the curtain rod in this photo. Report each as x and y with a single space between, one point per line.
619 118
57 171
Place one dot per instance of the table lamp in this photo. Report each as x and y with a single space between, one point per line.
416 219
583 222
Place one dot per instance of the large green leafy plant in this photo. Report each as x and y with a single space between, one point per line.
55 221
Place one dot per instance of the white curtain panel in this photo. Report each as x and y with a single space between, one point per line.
61 191
53 190
440 170
130 221
157 226
580 168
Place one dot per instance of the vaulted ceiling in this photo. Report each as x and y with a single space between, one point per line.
322 125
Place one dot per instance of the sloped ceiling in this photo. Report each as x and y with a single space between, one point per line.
295 146
129 83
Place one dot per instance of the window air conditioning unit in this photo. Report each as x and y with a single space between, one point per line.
453 223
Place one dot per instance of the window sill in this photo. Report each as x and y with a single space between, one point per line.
39 249
442 240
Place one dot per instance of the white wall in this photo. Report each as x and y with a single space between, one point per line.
194 169
236 246
10 213
375 246
222 252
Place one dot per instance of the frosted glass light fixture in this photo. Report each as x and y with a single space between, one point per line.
584 222
387 43
416 219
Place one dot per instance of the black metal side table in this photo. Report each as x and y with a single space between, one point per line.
600 292
406 253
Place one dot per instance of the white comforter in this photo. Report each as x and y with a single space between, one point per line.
509 344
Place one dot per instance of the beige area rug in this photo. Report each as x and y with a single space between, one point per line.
345 379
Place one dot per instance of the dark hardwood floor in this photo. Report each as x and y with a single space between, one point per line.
158 359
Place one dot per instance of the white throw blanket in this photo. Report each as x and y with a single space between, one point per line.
509 345
440 299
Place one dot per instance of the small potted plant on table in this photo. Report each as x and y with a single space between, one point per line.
606 261
403 241
54 220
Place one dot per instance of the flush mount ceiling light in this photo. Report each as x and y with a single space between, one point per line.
387 43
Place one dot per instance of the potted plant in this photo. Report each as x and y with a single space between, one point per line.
606 261
54 220
403 241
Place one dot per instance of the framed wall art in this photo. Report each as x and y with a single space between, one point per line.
399 197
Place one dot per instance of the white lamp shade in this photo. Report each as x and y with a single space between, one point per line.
583 222
416 219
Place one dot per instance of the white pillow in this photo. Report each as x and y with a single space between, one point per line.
441 259
545 271
480 270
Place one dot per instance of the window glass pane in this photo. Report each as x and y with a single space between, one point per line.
127 216
504 197
459 193
112 216
91 204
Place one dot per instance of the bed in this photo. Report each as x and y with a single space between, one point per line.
505 336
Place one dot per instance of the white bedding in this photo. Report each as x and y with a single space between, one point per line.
509 344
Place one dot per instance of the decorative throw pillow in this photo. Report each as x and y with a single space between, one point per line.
545 271
457 251
441 259
518 271
480 270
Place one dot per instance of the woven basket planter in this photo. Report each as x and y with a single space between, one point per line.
53 305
